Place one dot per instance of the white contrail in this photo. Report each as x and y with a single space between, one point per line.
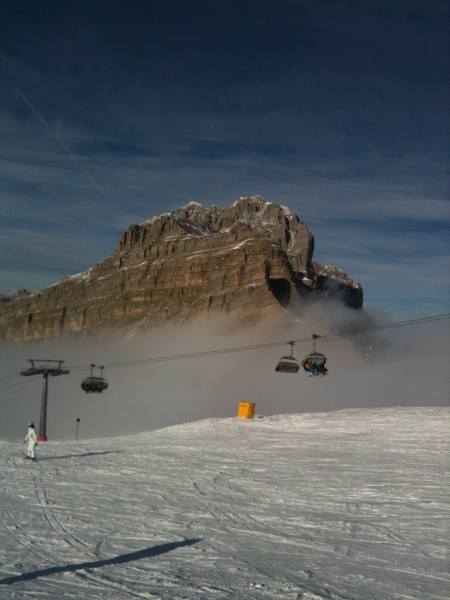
66 149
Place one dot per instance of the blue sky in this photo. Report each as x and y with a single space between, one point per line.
112 111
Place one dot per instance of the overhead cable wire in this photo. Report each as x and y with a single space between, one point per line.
205 353
11 385
338 334
387 326
9 377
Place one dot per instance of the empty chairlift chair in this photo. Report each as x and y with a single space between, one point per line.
288 364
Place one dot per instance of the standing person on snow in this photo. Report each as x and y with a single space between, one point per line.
31 438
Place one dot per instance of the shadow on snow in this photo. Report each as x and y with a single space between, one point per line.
82 455
117 560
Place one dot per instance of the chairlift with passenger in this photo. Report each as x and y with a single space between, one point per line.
314 362
288 364
94 384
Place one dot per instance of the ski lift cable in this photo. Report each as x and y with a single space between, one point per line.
11 385
187 355
9 376
333 335
388 326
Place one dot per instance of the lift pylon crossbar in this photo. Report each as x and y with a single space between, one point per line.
39 368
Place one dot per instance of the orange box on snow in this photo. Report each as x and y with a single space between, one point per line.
246 410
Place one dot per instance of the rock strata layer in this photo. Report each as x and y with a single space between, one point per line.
249 259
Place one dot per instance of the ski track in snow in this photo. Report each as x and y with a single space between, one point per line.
350 505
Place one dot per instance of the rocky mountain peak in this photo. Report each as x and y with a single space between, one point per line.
249 259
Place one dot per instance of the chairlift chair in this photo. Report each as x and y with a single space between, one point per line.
288 364
315 359
94 384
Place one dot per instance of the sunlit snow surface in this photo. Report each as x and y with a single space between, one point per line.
352 504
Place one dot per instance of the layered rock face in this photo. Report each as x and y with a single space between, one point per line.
249 259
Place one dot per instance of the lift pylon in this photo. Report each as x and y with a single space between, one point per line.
46 367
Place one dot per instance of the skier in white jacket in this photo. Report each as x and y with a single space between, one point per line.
31 438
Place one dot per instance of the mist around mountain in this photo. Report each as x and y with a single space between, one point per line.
405 366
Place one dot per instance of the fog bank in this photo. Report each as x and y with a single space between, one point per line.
407 366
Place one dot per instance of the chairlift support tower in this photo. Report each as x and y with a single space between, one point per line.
46 368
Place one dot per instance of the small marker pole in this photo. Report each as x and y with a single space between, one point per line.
76 433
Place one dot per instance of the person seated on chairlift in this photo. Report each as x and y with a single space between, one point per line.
311 368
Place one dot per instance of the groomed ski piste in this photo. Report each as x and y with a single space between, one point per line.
352 504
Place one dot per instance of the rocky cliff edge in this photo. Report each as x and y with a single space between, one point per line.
249 259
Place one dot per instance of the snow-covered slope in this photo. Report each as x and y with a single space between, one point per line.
351 504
